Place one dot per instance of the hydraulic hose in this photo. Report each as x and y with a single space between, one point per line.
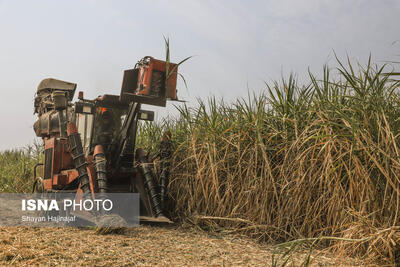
149 182
100 163
75 144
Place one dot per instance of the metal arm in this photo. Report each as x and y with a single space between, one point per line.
121 141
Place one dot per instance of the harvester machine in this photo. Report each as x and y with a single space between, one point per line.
89 145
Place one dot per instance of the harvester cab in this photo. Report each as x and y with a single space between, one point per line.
89 145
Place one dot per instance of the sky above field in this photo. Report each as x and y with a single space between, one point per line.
238 45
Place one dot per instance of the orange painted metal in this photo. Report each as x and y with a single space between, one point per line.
60 160
48 184
62 169
63 178
59 180
92 174
158 65
71 175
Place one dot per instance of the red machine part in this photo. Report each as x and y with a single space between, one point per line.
151 78
58 170
57 159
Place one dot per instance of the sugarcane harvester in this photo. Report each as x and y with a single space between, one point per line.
89 145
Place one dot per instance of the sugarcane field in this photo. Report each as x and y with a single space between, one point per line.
200 133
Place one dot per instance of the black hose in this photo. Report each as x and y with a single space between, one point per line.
100 161
75 145
149 182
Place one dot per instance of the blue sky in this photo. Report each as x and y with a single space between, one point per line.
238 45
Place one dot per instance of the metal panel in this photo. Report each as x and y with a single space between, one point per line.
48 163
129 83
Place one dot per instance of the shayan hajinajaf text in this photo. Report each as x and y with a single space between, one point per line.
55 219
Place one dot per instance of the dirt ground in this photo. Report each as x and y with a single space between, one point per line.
140 246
